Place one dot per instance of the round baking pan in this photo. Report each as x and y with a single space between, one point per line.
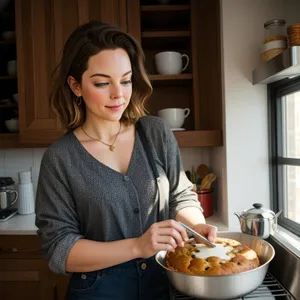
223 286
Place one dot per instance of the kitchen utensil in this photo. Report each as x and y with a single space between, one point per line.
174 117
12 125
195 233
206 200
16 98
12 67
207 181
223 286
188 175
8 35
258 221
170 63
7 198
26 193
26 203
202 171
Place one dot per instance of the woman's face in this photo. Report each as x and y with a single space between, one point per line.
106 85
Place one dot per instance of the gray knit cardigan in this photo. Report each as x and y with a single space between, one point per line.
80 197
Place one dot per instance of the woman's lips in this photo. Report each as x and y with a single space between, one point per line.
115 107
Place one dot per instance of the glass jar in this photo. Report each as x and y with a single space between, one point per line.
275 30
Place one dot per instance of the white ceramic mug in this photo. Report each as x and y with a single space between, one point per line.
174 116
170 62
12 67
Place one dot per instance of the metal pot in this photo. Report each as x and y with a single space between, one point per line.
223 286
7 198
258 221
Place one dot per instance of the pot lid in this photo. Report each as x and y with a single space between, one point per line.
258 212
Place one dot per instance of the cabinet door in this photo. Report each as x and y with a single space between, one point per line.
42 27
26 279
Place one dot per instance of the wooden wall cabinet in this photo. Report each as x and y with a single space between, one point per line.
8 78
190 27
42 27
186 26
24 274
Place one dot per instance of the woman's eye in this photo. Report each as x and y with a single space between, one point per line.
101 84
126 82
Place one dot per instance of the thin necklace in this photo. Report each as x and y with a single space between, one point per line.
110 146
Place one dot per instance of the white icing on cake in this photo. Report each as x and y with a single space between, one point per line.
220 251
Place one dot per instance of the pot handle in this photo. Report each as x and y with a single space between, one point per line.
277 215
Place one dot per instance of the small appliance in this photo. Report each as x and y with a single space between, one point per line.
26 193
8 197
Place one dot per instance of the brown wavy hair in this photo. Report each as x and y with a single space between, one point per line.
85 41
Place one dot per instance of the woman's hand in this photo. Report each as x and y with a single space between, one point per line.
165 235
209 231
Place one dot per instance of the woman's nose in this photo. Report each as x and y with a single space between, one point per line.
116 92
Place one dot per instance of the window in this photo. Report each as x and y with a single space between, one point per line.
284 120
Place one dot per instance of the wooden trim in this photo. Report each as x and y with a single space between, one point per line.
6 276
83 11
40 137
164 7
203 138
195 63
207 83
20 65
134 19
9 140
122 10
153 34
170 77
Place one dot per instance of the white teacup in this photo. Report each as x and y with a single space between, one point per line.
12 67
170 63
174 116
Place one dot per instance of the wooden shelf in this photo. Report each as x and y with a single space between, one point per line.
155 34
164 7
8 106
9 140
199 138
7 42
170 77
8 77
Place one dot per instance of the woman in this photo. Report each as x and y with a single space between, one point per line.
97 199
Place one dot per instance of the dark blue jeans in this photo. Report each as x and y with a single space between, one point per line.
140 279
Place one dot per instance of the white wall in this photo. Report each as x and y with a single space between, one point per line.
14 160
243 163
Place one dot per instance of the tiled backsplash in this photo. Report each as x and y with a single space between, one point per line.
14 160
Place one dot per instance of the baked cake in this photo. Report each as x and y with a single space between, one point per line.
229 257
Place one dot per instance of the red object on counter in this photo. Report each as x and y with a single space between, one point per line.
206 200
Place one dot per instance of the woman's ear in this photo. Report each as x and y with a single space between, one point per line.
74 86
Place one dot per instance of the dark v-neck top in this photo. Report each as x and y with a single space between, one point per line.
80 197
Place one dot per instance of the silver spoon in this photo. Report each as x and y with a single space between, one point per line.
195 233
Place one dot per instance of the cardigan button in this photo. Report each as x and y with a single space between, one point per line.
143 266
126 178
136 210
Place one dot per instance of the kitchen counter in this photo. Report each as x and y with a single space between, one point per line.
24 225
19 225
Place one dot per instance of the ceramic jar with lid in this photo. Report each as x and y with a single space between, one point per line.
275 31
275 41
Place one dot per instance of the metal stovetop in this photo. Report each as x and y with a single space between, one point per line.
269 289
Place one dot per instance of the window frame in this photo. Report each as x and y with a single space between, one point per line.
275 91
